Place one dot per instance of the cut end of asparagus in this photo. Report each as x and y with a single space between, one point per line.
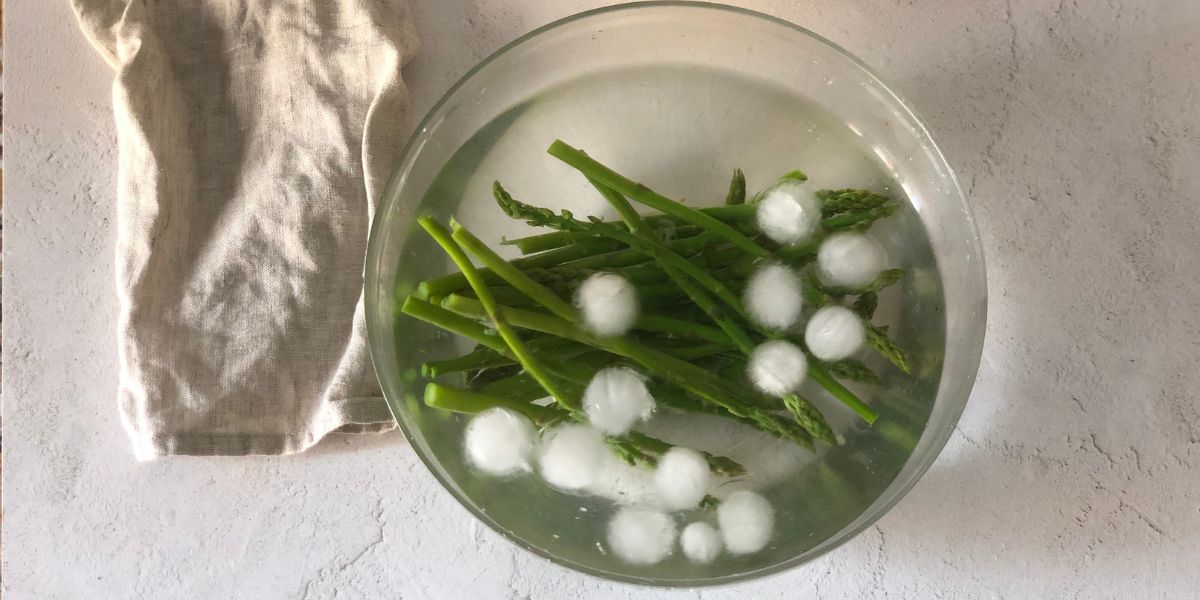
454 400
428 223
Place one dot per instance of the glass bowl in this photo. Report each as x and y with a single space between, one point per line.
677 95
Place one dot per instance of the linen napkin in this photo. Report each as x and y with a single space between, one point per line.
254 137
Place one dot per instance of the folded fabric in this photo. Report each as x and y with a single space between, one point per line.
254 137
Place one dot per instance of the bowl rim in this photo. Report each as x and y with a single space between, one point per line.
878 508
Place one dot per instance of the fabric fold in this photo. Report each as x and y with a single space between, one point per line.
254 137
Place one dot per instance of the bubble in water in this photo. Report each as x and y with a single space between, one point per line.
828 80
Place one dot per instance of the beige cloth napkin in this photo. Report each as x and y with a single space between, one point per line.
254 137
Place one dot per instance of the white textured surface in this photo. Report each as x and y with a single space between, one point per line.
1074 125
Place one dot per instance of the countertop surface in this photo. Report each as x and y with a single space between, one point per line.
1074 473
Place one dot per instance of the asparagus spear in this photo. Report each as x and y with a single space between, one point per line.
569 318
698 381
637 227
454 323
841 209
511 275
849 200
544 217
877 337
803 411
454 399
635 448
639 193
640 449
737 189
865 305
517 347
852 370
483 357
859 219
479 358
593 252
541 242
583 361
453 282
680 328
467 402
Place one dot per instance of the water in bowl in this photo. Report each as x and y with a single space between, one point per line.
682 131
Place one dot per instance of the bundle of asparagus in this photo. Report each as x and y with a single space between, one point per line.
694 337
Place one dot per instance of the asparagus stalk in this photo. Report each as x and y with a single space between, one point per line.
638 448
583 361
517 347
803 411
453 282
698 381
510 274
454 323
543 217
839 391
634 447
841 209
805 414
524 387
637 227
593 252
852 370
680 328
467 402
486 358
644 195
516 394
541 242
521 387
596 244
479 358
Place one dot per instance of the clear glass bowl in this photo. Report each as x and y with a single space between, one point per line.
677 95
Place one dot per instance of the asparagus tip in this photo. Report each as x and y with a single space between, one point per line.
795 175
